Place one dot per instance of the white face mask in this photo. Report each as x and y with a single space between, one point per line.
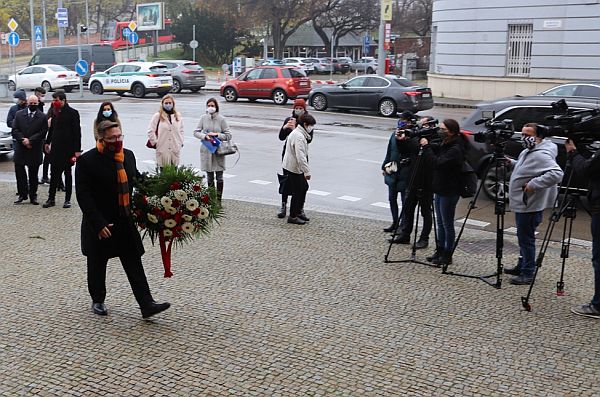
310 128
16 100
211 110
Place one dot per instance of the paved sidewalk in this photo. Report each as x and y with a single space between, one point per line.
264 308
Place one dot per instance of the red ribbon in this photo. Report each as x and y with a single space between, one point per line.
165 253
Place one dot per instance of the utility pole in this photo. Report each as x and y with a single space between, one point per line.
380 45
61 31
44 23
32 35
332 45
87 22
194 39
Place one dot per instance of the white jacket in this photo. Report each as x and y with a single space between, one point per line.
169 141
296 152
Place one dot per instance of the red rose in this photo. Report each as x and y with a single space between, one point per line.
164 214
175 234
205 199
145 199
196 188
156 211
175 185
178 217
176 203
177 228
196 211
142 226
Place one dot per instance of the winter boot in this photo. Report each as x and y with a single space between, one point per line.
219 191
282 210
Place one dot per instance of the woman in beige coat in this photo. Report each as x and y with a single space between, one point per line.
212 125
166 132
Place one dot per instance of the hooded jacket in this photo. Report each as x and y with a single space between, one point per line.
538 168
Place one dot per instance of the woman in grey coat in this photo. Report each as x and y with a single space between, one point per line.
212 125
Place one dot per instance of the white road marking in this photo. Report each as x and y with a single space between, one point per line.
318 193
380 204
583 243
473 222
227 176
260 182
513 230
369 161
349 198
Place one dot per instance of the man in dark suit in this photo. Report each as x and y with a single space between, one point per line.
29 131
63 146
104 178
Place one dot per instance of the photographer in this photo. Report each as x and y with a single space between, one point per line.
446 161
590 169
532 188
396 169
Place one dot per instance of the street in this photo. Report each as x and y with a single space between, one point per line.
345 156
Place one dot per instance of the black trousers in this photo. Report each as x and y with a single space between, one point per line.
425 201
298 186
56 172
27 187
46 166
132 264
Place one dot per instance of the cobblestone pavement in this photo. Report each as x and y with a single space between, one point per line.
264 308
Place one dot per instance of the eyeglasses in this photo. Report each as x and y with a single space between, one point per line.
114 138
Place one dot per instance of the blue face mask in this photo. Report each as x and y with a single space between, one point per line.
107 113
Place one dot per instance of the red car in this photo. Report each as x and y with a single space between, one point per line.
278 83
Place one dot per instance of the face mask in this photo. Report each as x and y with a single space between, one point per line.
310 129
211 110
56 104
32 108
16 100
114 147
527 141
167 107
107 113
298 112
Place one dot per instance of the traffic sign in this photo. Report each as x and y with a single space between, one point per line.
126 32
38 33
38 45
13 39
81 67
132 26
12 25
194 44
133 38
62 15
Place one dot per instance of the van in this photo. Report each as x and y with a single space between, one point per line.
98 56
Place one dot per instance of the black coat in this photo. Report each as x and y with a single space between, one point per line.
12 112
589 169
96 189
64 136
447 161
35 130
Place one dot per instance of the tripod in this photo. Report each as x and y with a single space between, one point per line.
499 163
568 210
417 196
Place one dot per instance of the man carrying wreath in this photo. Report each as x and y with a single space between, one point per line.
104 178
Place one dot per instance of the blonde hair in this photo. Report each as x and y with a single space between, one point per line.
163 114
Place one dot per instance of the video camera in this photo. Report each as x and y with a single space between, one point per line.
429 130
497 132
582 126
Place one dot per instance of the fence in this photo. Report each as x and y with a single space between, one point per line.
142 53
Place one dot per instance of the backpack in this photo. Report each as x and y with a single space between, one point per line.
468 181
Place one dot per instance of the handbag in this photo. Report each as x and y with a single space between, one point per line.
468 186
391 167
148 143
284 187
226 148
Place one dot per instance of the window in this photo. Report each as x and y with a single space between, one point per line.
591 91
356 82
563 90
39 70
115 69
518 58
269 74
134 68
376 82
254 74
58 68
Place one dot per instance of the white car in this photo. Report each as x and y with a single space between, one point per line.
367 65
6 141
139 78
48 76
303 64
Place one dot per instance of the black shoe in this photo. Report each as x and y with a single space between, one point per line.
513 271
99 309
445 258
34 201
20 200
44 180
435 257
303 216
422 243
521 280
282 210
154 308
296 220
400 239
67 204
390 229
49 203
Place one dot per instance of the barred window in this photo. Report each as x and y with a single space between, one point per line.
518 57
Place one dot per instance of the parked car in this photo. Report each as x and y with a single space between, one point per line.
271 62
48 76
278 83
98 56
322 65
520 110
589 89
139 78
300 63
186 75
387 95
6 141
366 64
340 65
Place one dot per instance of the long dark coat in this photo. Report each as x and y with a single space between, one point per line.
35 130
96 189
64 135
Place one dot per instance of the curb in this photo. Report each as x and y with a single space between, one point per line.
454 105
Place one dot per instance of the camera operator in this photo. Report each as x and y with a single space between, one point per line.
399 151
446 161
532 188
590 169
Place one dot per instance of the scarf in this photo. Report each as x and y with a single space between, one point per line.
122 185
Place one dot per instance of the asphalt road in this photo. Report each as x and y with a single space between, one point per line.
345 156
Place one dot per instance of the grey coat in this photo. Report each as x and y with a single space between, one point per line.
536 167
211 162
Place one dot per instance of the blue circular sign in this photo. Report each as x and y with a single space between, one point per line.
126 32
133 38
13 39
81 67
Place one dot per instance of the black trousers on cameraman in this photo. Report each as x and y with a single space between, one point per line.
425 200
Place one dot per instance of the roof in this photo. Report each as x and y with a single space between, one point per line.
306 35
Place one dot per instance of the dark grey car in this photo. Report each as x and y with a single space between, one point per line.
186 75
387 95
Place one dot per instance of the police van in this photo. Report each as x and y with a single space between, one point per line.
139 78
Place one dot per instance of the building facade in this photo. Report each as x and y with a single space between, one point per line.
485 49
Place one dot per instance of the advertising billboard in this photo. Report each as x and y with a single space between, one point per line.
150 16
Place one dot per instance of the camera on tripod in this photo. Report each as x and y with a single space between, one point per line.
429 130
582 126
497 132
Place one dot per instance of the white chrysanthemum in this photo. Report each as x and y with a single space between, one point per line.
166 202
187 227
170 223
167 233
171 210
191 204
203 214
187 218
152 218
180 195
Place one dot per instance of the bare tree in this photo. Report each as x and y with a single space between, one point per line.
413 16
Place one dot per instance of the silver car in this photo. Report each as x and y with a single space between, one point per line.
186 75
6 141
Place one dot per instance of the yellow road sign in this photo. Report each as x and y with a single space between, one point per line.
12 25
386 10
132 26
